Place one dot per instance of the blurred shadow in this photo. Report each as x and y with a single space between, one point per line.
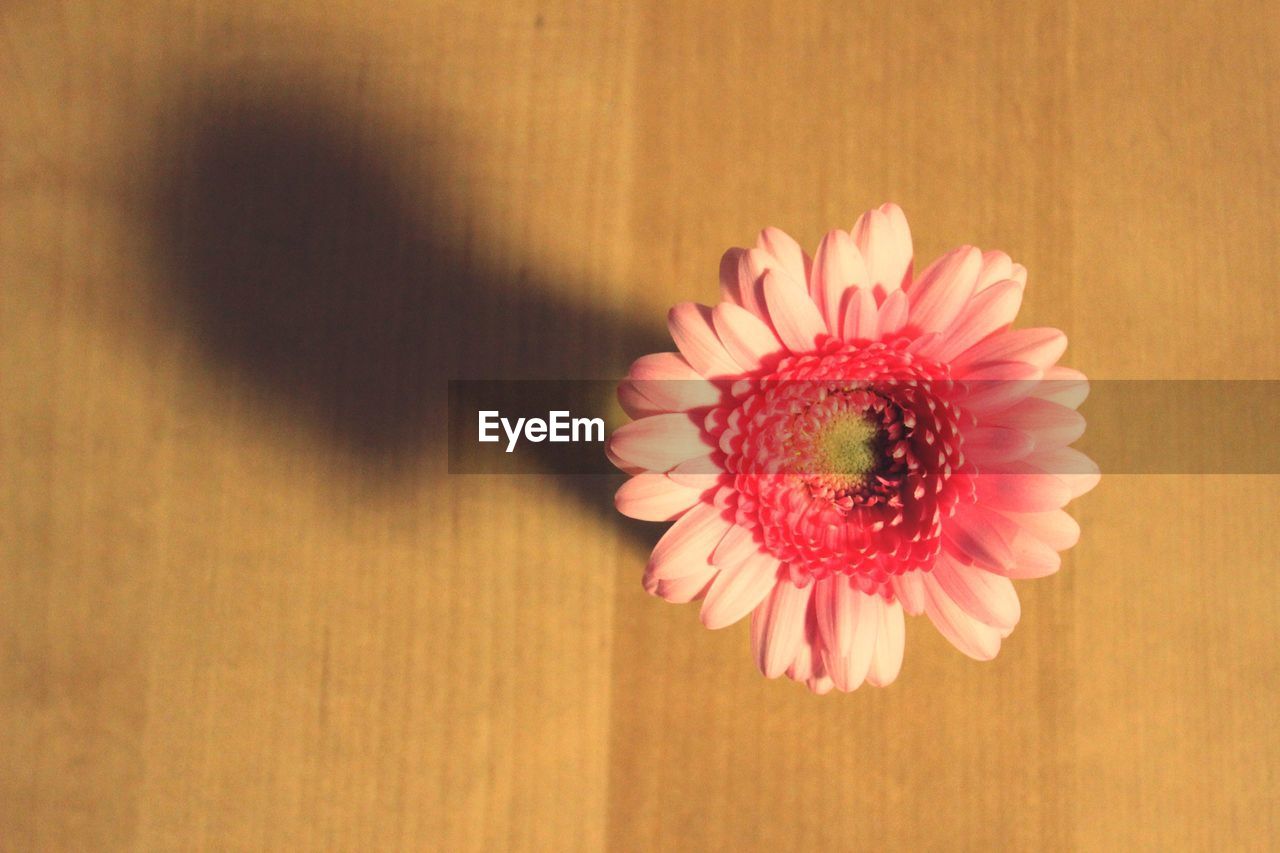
307 266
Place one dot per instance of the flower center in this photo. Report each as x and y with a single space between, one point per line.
847 451
838 441
847 460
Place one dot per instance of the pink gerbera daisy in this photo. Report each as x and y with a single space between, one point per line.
839 442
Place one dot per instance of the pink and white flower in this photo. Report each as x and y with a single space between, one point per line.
840 442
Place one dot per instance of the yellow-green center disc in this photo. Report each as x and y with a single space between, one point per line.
846 449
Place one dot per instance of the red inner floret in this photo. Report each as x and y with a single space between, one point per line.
846 460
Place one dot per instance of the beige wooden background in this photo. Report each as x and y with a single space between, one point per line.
242 245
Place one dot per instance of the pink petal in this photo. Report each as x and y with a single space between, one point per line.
828 602
1056 529
752 265
738 589
1075 469
695 336
634 403
747 338
988 312
1040 347
973 638
996 266
731 283
942 290
1049 424
995 387
671 384
778 627
820 685
893 315
837 267
987 597
701 472
978 536
738 545
992 445
654 497
662 366
909 588
685 589
705 465
802 668
886 662
686 548
743 284
1064 386
884 240
1019 487
794 315
621 464
786 253
1032 558
660 442
1028 556
847 623
861 317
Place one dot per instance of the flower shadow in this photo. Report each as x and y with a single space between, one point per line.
309 267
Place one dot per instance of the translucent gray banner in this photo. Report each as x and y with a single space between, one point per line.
1131 426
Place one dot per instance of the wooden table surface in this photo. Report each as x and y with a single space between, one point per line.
242 246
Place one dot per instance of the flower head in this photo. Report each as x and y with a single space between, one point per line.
840 442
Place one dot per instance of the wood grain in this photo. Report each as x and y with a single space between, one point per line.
244 244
